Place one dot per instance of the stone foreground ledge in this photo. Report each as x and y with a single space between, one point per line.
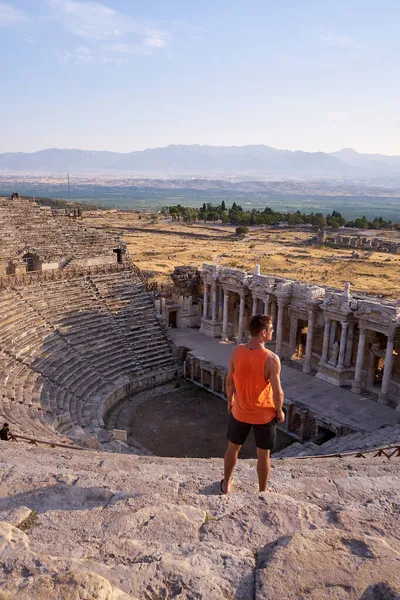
94 525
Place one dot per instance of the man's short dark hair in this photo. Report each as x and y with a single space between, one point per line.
5 425
258 323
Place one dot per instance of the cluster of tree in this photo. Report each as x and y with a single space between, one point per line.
237 216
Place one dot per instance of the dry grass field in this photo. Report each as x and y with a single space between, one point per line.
161 246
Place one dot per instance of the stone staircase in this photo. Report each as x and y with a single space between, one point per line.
384 436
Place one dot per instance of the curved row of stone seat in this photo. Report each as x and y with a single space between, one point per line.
133 310
52 234
20 403
72 344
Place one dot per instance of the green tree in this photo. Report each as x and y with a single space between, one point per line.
241 230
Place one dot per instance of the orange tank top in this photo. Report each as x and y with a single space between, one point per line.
253 401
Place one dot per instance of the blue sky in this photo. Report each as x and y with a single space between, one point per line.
131 74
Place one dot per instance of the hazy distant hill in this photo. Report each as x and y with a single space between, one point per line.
186 160
182 160
377 164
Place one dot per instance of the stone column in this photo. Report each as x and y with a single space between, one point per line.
342 347
387 370
213 301
371 369
309 343
356 387
255 303
349 345
212 380
205 300
225 316
221 303
293 335
325 343
192 369
273 317
201 375
333 333
184 369
279 327
162 307
241 318
267 305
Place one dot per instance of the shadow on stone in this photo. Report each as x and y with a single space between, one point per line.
63 497
211 490
380 591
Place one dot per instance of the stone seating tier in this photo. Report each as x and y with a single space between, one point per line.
66 346
53 235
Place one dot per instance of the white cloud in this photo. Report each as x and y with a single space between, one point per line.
157 40
106 32
10 16
335 116
83 56
337 40
95 21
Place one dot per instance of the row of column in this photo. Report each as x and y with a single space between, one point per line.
345 351
216 303
220 306
345 345
387 371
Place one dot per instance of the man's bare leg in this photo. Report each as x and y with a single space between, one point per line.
230 460
263 468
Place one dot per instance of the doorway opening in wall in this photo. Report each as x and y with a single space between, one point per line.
10 270
30 261
376 363
324 435
172 319
118 252
301 341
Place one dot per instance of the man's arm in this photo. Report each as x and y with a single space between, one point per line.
277 391
230 386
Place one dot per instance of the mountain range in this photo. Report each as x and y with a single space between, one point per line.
254 160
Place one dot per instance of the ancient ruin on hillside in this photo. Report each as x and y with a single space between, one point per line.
343 338
361 242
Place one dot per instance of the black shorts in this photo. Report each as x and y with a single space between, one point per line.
265 434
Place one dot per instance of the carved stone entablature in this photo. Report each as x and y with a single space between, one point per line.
337 306
234 279
307 292
261 285
209 272
298 312
284 290
378 317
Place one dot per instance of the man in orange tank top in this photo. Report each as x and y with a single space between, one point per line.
255 399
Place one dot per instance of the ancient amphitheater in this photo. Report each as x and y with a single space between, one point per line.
83 339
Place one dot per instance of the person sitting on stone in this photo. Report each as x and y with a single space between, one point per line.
255 399
5 433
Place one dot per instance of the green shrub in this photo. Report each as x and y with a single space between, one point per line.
241 230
